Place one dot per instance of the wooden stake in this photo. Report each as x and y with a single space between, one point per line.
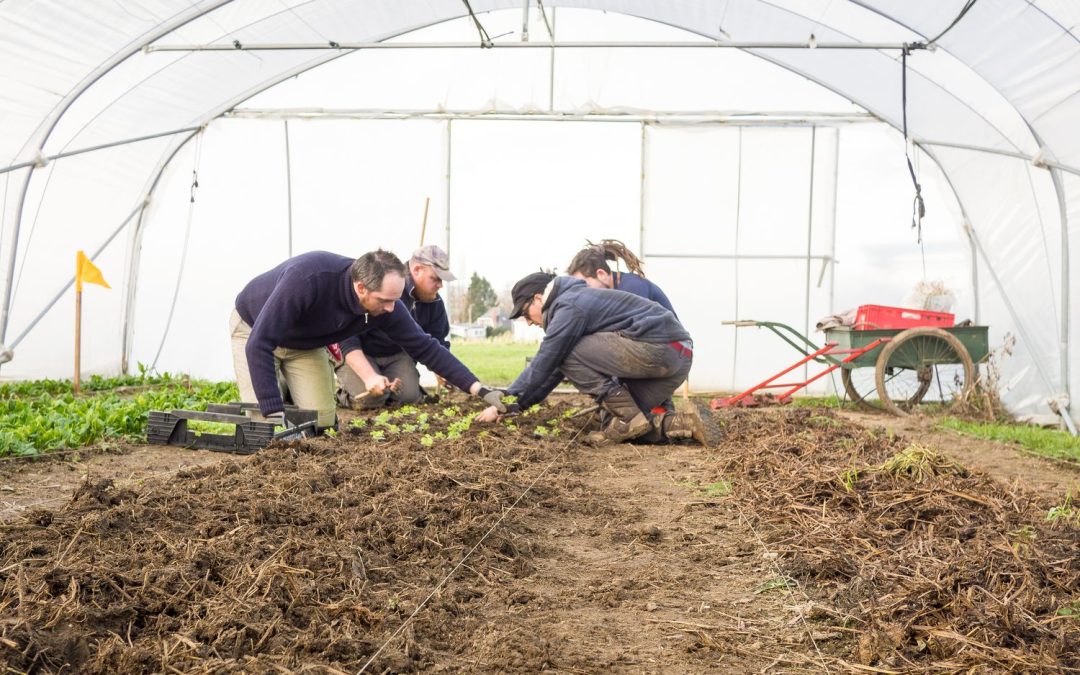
78 336
423 226
423 231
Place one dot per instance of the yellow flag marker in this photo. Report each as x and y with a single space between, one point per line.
85 272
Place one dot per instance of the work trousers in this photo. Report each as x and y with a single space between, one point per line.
399 366
304 375
650 371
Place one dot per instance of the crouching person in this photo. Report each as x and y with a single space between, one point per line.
380 355
627 352
284 318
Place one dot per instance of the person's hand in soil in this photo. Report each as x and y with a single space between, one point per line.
488 414
377 385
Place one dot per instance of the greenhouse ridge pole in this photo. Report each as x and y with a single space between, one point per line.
553 44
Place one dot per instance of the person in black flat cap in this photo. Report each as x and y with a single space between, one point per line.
627 352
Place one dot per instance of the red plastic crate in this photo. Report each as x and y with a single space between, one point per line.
880 317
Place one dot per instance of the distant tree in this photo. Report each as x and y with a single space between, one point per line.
480 297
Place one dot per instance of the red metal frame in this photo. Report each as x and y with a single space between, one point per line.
750 398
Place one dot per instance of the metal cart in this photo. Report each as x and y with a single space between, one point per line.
903 371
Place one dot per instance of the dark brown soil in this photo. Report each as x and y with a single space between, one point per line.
508 551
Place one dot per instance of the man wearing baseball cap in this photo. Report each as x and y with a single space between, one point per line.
627 352
383 360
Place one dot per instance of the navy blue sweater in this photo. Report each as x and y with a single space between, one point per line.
431 316
308 302
572 311
632 283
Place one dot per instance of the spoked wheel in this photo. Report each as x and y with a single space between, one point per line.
861 387
923 369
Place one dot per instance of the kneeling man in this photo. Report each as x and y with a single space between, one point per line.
284 318
379 355
627 352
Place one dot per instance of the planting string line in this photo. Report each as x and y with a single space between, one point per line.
476 546
791 594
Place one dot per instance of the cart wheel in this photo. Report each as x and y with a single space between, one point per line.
861 387
926 367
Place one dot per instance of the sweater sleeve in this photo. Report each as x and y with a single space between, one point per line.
291 296
400 326
543 374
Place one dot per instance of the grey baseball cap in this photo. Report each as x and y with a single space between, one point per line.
437 258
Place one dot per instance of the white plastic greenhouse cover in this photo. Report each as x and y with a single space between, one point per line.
996 105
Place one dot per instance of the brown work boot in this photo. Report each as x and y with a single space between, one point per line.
684 426
628 422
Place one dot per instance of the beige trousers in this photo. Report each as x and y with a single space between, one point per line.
305 375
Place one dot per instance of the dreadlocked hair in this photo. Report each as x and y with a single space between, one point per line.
596 256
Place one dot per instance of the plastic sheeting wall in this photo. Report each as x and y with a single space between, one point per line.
708 191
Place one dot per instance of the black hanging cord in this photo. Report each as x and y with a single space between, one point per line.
918 207
485 39
964 10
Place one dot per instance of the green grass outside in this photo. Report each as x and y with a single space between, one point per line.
1036 440
496 363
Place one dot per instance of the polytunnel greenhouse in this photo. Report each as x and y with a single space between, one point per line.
229 452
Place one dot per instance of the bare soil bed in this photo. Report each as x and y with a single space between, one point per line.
786 546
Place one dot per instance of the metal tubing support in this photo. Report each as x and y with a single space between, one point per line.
45 129
525 22
43 161
739 256
1063 410
641 192
449 139
288 184
781 118
551 63
809 236
59 294
568 44
1037 160
135 257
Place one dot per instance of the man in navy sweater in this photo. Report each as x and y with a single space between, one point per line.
627 352
284 318
429 267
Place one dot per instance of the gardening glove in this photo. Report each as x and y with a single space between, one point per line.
493 397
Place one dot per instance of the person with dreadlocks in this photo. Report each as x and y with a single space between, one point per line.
591 265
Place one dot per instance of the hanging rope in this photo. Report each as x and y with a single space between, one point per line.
968 5
485 39
184 251
918 207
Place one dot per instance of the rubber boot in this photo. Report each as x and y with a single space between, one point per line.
628 422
